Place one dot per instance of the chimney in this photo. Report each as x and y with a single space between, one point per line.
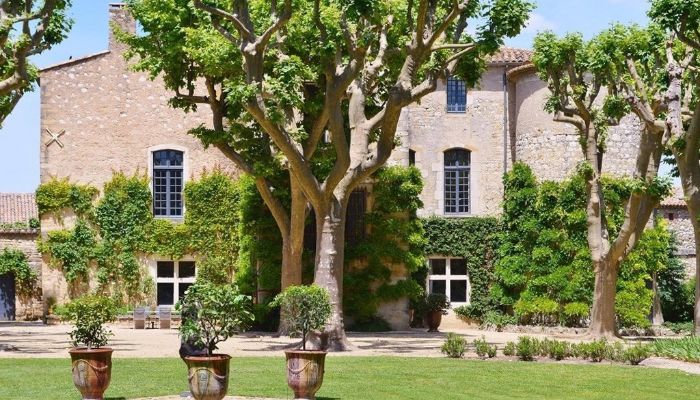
120 17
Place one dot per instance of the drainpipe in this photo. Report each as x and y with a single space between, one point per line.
505 119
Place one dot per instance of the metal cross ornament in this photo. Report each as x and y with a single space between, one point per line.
55 137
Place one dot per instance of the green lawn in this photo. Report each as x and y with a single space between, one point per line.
366 378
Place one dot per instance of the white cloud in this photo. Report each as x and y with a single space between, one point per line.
538 23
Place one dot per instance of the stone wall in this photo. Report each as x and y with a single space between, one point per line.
678 220
429 130
551 148
27 306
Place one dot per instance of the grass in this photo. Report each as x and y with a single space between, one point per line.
385 378
686 349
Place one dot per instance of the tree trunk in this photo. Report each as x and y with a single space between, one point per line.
603 314
657 316
694 211
293 243
330 247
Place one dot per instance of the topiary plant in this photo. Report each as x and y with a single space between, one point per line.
89 314
212 313
304 309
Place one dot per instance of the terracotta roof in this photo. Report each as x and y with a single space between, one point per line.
676 199
510 55
17 208
74 61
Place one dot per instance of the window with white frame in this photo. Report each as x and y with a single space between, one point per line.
172 280
449 276
168 171
457 169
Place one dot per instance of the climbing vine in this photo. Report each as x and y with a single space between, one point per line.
394 237
59 194
13 261
475 239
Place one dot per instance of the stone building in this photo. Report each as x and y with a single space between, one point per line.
18 217
675 212
98 117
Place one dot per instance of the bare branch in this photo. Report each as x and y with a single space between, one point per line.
240 27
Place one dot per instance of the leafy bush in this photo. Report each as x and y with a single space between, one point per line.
596 351
212 313
89 314
537 311
15 262
680 327
558 350
636 354
497 320
685 349
437 302
481 347
304 308
454 346
527 348
469 312
575 314
509 349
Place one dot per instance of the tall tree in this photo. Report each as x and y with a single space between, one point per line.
681 19
348 68
593 87
27 28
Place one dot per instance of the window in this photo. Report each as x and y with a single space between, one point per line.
355 223
449 276
167 183
671 217
411 157
456 96
172 280
457 168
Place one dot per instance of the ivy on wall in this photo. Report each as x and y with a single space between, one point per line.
475 239
59 194
544 273
113 234
394 237
13 261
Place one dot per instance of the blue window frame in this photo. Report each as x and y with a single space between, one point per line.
456 96
457 172
167 183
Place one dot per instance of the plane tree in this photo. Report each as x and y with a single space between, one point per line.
594 84
295 71
27 28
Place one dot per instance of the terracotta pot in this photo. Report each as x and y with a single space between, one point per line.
92 371
208 376
305 372
433 320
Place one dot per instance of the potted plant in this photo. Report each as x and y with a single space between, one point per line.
91 362
304 309
436 305
211 314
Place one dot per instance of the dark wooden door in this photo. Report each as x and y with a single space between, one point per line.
7 297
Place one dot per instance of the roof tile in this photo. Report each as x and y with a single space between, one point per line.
17 207
510 55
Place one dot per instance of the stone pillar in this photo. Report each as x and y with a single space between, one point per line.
119 18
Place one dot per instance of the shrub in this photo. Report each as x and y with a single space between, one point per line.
497 320
526 348
680 327
470 312
509 349
212 313
304 309
558 350
539 310
481 347
616 352
596 351
686 349
437 302
89 314
491 351
454 346
636 354
575 314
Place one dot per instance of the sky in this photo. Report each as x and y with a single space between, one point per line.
20 135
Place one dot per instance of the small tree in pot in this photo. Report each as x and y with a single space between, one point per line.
92 363
436 305
306 309
210 315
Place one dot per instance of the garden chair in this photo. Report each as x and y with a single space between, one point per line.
139 318
164 316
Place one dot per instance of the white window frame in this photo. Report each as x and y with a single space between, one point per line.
175 280
448 277
185 175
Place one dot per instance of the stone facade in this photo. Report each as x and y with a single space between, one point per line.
113 119
675 212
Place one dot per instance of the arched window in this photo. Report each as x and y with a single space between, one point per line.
457 171
167 183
